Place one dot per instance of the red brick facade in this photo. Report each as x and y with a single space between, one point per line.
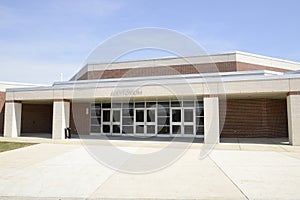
244 118
176 69
36 118
255 118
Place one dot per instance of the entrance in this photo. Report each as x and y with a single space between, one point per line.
145 121
182 121
106 120
111 121
153 118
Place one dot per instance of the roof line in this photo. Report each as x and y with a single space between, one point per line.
194 56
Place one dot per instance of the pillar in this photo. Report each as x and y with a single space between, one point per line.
293 112
61 118
211 119
12 119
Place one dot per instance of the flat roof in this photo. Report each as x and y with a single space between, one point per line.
235 56
5 85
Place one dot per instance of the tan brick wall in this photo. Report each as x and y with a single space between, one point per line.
79 119
176 69
255 118
36 118
2 109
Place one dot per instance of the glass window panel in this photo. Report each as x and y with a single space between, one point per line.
200 130
95 129
127 129
199 104
106 115
164 104
176 129
163 121
199 112
127 121
150 129
175 104
188 104
116 105
151 115
116 129
163 129
140 105
188 130
163 111
116 115
95 121
127 112
151 104
188 115
139 114
106 128
106 105
96 106
128 105
200 120
176 115
131 112
96 113
139 129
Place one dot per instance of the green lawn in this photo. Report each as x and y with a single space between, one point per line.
6 146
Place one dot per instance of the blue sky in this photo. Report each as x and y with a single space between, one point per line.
41 39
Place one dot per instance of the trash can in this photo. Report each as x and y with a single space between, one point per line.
68 133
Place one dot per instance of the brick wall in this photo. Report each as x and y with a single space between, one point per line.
244 118
79 119
2 109
255 118
36 118
176 69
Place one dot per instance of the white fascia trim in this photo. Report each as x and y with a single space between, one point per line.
202 75
18 83
192 78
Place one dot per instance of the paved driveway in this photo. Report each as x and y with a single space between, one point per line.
231 171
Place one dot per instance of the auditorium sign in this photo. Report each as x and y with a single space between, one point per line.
126 92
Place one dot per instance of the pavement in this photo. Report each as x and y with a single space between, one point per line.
68 169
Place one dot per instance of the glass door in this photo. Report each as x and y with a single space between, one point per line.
145 121
106 120
139 121
150 121
116 121
188 125
176 121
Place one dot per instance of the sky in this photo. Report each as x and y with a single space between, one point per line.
39 40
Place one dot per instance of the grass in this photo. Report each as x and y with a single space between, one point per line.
6 146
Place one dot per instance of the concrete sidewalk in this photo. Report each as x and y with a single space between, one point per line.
231 171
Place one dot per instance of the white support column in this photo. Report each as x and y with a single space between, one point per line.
211 120
293 112
12 119
61 118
